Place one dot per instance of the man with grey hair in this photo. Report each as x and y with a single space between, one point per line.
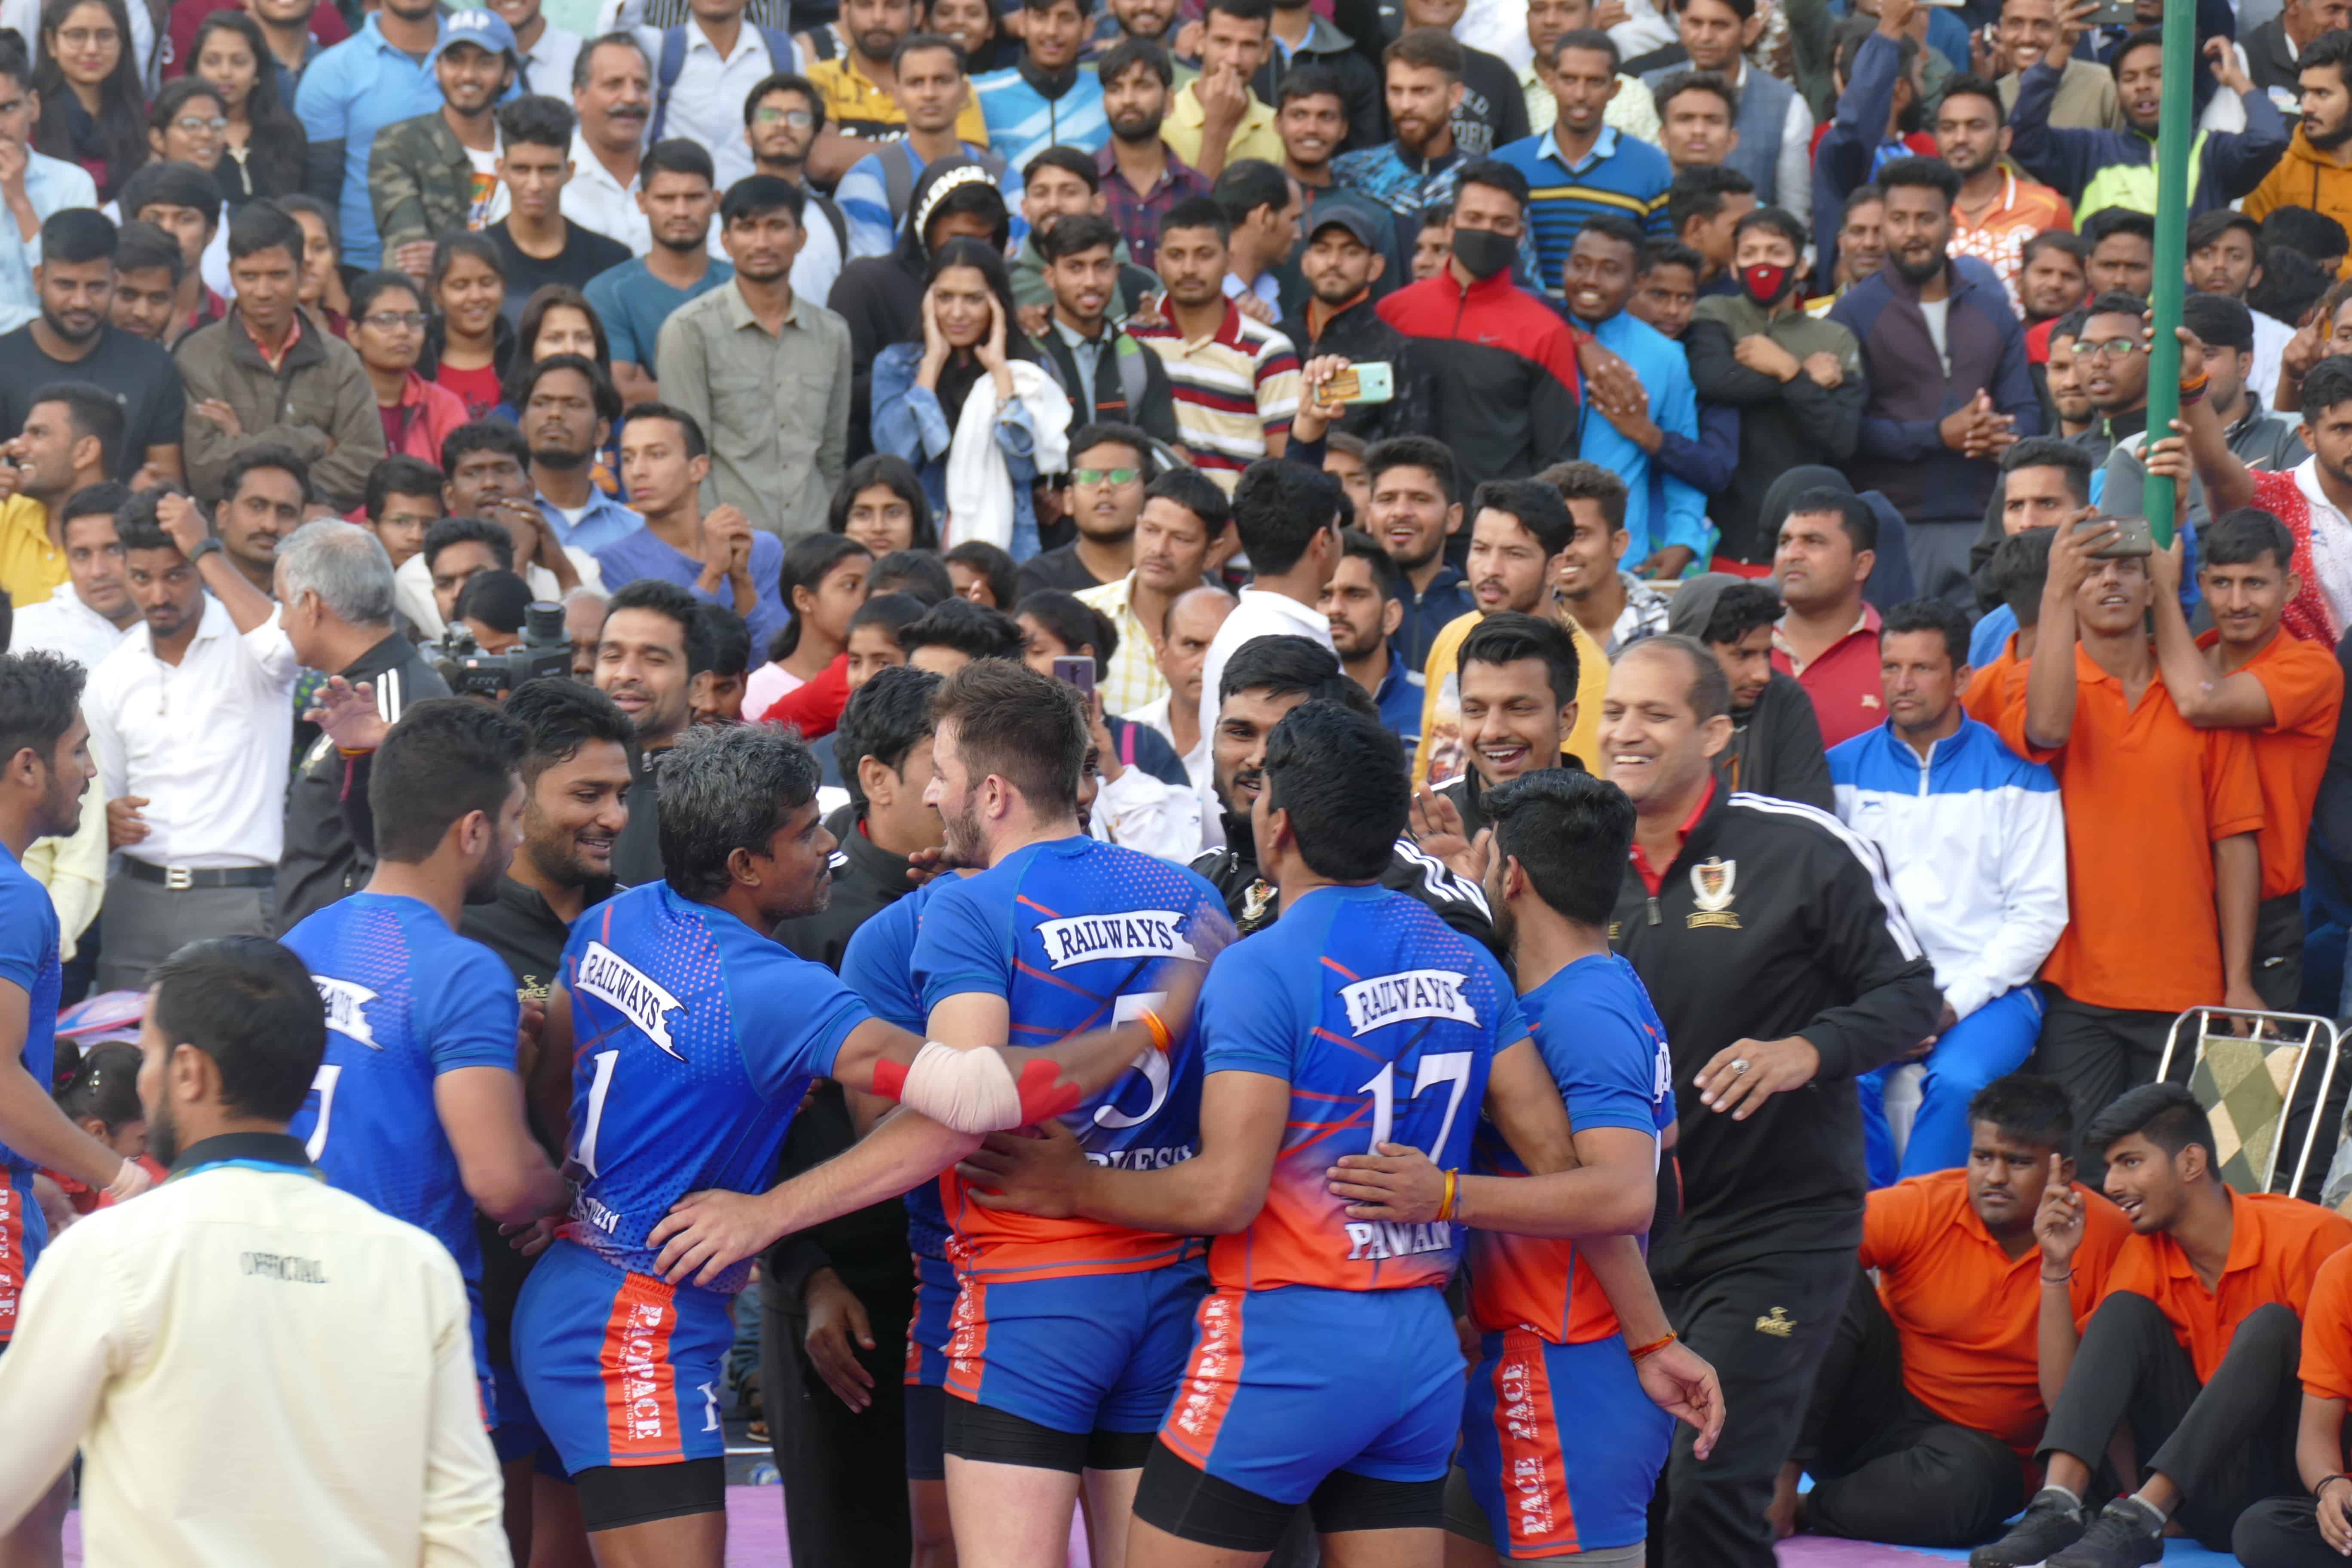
334 591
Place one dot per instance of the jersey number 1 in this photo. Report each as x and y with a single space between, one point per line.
1446 1067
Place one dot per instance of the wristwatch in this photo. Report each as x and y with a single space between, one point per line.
204 547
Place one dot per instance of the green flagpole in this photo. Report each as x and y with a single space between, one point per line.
2172 141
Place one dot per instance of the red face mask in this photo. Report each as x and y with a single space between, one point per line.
1766 281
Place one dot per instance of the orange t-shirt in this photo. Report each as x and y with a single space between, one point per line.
2147 795
1968 1313
2305 686
2277 1246
1990 687
2327 1331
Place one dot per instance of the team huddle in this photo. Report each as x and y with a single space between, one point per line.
1186 1205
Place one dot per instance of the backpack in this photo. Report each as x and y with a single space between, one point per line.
782 56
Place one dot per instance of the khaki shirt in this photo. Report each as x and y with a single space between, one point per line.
258 1369
774 409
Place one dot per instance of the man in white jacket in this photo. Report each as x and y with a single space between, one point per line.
258 1369
1975 847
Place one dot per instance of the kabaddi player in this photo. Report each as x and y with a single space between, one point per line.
694 1037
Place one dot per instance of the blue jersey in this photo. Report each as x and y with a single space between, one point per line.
694 1038
1024 123
28 960
879 965
370 1120
1077 934
1384 1020
1606 1049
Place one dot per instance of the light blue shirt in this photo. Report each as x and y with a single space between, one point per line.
51 184
864 198
645 553
606 521
1658 360
1024 123
349 93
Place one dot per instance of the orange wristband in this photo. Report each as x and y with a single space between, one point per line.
1160 1037
1445 1207
1642 1353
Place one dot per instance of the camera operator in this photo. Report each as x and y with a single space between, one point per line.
335 602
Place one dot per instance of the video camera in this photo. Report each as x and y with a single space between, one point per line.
545 649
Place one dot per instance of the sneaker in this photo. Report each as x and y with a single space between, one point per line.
2119 1537
2050 1524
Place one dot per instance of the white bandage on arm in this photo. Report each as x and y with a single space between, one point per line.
970 1091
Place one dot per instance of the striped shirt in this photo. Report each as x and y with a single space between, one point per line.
1233 389
1618 175
1023 121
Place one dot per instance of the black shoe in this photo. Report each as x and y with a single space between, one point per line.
2051 1524
2118 1538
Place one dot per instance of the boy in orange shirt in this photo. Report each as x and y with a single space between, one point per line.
1928 1407
2306 1532
2191 1355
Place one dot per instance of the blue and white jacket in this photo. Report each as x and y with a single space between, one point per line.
1975 844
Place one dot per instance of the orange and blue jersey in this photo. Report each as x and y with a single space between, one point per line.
1077 934
1383 1020
1606 1049
28 961
1559 1443
407 999
694 1040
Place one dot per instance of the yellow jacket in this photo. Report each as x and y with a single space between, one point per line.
1439 757
2307 178
31 564
1253 138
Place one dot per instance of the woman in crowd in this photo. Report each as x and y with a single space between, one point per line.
188 123
880 503
387 328
99 1091
966 347
92 112
264 143
979 31
558 320
984 575
326 289
1147 802
469 348
824 581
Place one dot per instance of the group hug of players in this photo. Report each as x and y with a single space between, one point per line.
1186 1205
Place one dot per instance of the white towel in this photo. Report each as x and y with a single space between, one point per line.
980 485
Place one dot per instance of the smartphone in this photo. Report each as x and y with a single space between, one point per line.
1077 671
2134 538
1372 383
2116 14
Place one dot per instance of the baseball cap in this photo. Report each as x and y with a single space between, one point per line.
1355 219
483 29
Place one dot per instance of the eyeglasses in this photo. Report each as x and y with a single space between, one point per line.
90 38
386 320
798 118
191 123
1102 476
2119 348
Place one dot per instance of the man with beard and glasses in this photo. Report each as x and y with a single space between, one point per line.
1143 179
569 408
375 1451
652 646
381 75
423 1021
1944 359
1996 212
2316 171
612 93
783 118
2225 252
777 458
635 299
73 339
2111 356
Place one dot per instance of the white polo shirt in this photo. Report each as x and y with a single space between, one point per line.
707 103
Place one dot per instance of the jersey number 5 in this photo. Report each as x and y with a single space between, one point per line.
1446 1067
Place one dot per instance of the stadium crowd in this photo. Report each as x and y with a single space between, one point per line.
1277 775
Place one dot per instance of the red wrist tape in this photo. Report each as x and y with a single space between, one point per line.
1042 1094
889 1079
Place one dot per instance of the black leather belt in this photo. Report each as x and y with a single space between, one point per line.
180 879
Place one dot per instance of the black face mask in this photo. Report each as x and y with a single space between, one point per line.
1482 252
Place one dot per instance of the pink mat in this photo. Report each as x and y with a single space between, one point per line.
756 1539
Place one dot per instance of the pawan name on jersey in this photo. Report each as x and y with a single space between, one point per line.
1130 934
1376 1241
346 1008
607 976
1386 999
